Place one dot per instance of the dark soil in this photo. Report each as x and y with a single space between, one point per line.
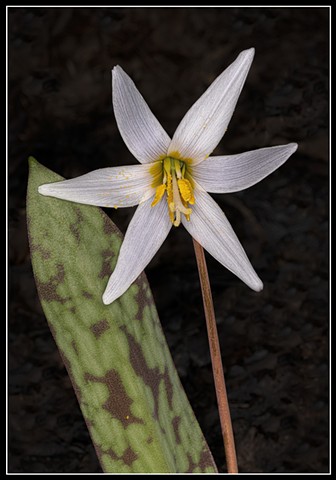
275 343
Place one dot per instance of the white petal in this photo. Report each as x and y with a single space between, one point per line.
233 173
210 227
141 131
107 187
145 234
205 123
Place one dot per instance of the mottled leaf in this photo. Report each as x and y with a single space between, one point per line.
128 389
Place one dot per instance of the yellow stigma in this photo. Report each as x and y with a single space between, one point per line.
179 190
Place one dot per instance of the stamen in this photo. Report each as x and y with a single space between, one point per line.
170 196
160 190
171 216
177 221
186 190
178 168
177 199
186 205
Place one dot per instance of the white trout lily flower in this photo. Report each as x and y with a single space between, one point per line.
174 175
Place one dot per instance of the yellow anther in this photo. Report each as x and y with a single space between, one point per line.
160 190
186 190
170 196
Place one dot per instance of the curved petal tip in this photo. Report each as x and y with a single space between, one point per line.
116 69
248 54
248 51
293 147
258 286
106 300
43 189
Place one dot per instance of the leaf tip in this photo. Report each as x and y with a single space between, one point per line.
32 162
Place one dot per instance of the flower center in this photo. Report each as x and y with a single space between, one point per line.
178 190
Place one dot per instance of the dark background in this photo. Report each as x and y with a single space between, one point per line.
275 343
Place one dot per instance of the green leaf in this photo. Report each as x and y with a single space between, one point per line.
135 408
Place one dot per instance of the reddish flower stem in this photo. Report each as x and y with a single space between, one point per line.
216 360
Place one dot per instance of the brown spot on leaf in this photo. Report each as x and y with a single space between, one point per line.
128 457
141 297
204 462
72 309
149 440
74 346
108 227
192 465
48 290
206 459
45 254
100 327
168 387
89 423
74 227
176 422
106 269
151 376
87 295
118 404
